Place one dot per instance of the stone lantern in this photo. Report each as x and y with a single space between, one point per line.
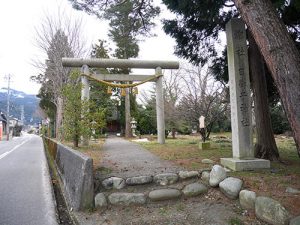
133 126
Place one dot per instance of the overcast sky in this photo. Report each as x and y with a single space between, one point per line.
18 20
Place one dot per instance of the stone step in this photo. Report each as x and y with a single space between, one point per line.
166 186
151 195
163 179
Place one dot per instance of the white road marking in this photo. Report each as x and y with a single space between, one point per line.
13 149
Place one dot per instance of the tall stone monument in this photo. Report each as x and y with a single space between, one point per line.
240 101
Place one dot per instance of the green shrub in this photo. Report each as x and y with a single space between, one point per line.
279 120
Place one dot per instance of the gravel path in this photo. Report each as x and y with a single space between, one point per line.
127 159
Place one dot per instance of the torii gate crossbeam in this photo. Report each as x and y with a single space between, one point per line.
120 63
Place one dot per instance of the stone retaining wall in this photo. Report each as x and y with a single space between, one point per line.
266 209
76 173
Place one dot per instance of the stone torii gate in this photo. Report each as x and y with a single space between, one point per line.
85 64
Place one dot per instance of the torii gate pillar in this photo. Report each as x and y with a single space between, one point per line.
160 115
85 95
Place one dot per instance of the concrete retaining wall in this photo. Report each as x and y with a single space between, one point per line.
76 172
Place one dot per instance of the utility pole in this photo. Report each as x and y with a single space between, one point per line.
22 115
8 77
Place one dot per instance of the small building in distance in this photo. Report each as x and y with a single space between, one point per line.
3 123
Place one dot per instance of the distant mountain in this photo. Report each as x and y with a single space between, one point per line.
19 100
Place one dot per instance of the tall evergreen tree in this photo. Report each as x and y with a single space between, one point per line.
123 31
143 11
279 51
98 91
55 76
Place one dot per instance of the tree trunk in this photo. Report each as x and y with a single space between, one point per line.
127 115
265 146
173 133
59 118
76 141
280 54
203 134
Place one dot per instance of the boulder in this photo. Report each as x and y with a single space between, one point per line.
292 190
194 189
207 161
108 183
188 174
295 221
231 187
127 199
165 178
271 211
247 199
216 175
113 182
205 176
100 200
164 194
139 180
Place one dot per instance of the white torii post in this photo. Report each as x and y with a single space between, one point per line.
127 63
85 92
85 95
160 112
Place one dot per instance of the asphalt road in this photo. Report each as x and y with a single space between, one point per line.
25 193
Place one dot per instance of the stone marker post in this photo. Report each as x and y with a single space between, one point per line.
241 124
202 127
239 90
201 122
160 114
85 95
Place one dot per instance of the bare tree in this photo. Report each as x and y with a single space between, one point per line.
172 94
57 37
202 96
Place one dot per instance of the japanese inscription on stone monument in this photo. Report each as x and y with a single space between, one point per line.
239 89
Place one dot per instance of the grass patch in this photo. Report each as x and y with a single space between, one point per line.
235 221
163 211
185 151
180 207
103 170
